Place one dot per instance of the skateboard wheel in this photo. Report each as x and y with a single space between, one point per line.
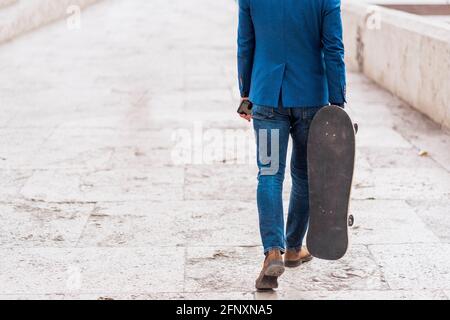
351 220
356 127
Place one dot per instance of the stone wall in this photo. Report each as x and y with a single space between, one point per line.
20 16
409 55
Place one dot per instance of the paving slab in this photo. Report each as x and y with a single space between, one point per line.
388 222
18 147
414 266
221 269
218 269
402 183
423 133
434 215
371 137
91 270
396 158
12 182
356 271
225 182
222 223
105 185
135 224
40 224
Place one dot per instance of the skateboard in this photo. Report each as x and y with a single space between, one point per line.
331 159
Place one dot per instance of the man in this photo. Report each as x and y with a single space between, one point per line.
291 63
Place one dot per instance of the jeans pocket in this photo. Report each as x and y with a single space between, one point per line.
262 113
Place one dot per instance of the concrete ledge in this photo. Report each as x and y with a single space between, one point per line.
408 55
20 16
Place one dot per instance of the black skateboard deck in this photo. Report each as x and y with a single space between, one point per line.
331 159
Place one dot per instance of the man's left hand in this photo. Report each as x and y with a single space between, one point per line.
245 116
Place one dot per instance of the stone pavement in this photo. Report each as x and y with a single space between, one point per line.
98 201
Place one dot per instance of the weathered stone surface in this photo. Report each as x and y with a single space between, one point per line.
136 296
396 158
91 270
290 294
356 271
423 134
371 137
221 269
434 215
387 222
402 183
414 266
105 185
11 183
135 224
224 182
19 146
222 223
38 224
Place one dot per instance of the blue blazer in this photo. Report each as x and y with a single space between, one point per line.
291 50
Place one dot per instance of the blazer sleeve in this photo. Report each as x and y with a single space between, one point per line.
246 47
333 48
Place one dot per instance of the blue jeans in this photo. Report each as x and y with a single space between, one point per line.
272 124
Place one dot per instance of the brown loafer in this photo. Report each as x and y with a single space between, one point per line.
293 258
273 267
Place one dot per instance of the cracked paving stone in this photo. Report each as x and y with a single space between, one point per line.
414 266
38 224
18 147
12 182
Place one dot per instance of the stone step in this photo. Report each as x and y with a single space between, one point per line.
21 16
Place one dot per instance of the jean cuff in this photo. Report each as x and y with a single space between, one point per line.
296 249
282 249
